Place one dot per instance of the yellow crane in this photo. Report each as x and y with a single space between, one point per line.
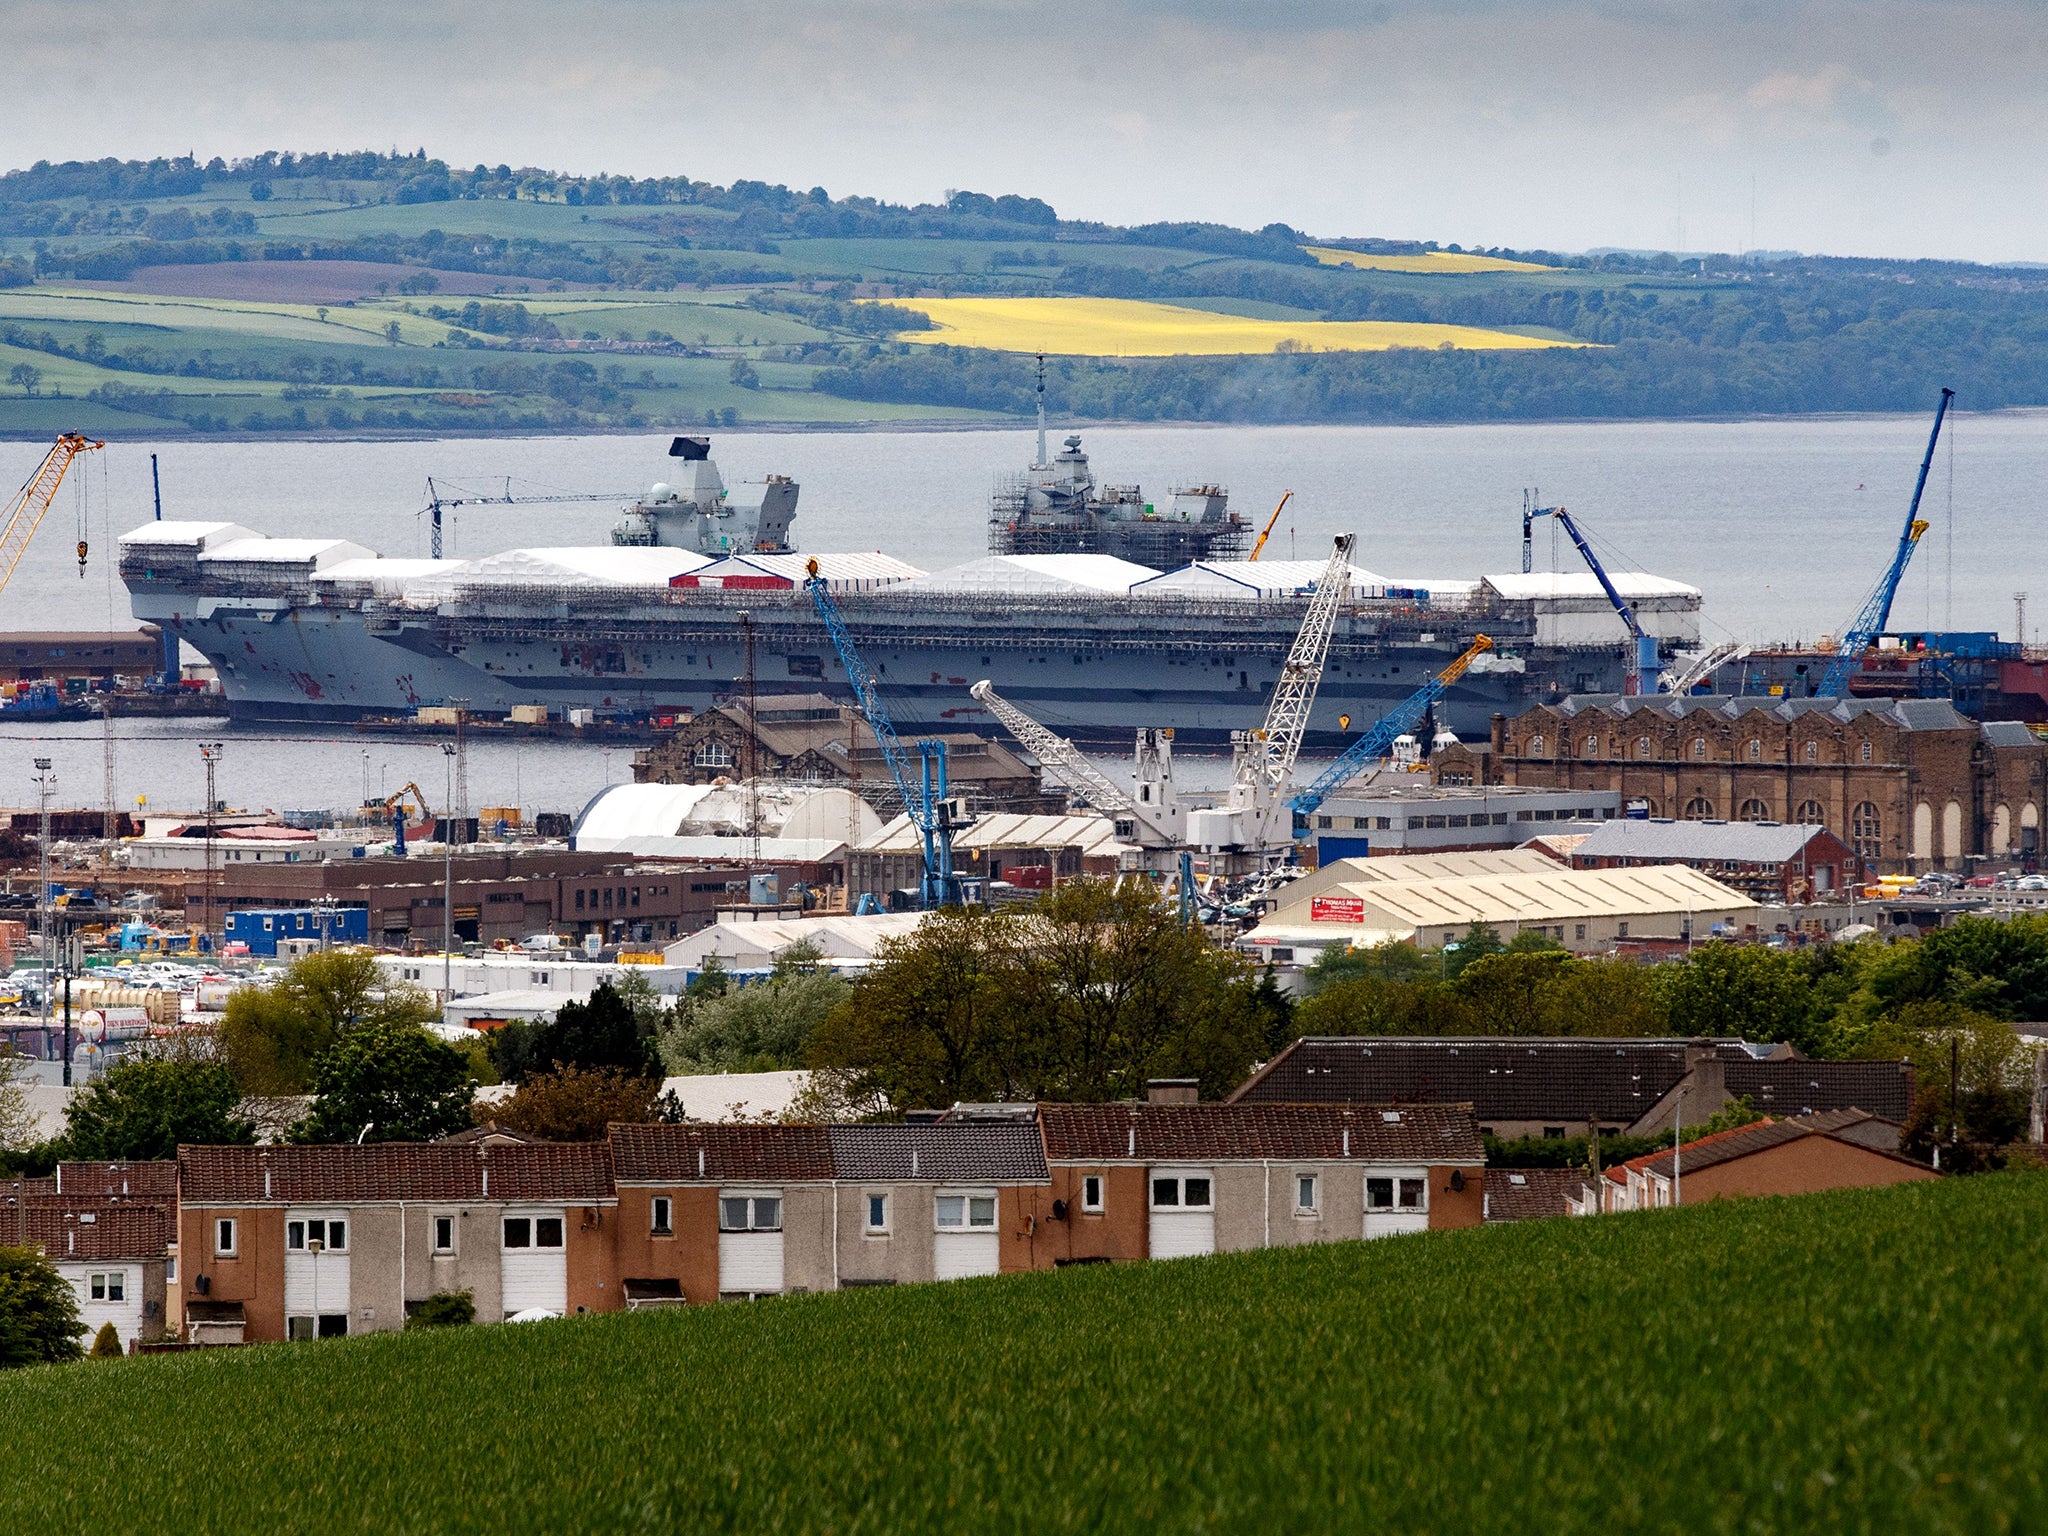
24 514
1285 497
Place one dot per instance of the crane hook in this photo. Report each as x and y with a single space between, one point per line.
81 559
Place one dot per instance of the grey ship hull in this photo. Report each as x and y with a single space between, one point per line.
1092 669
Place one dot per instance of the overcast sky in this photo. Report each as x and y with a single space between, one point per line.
1877 127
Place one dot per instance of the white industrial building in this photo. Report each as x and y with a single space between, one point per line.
1037 575
774 821
1571 609
1253 579
843 941
860 570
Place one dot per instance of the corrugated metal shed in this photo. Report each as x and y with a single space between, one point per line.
1744 842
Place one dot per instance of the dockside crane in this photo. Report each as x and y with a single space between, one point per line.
437 504
1267 532
1877 608
1153 824
1642 657
922 787
24 514
1376 743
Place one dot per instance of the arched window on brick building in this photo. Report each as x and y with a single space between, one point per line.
1813 751
1535 746
1756 749
1864 752
712 754
1593 745
1642 746
1866 831
1755 810
1812 814
1699 808
1699 747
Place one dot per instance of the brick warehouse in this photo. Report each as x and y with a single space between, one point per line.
1909 784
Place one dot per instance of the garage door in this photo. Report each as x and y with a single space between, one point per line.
965 1241
1183 1216
533 1265
1396 1201
749 1244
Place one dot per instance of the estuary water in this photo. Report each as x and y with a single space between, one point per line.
1784 525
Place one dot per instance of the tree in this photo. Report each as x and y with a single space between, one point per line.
39 1319
1971 1080
1739 989
766 1027
387 1082
1730 1116
27 375
574 1104
143 1110
444 1309
271 1036
106 1344
615 1027
18 1120
1509 991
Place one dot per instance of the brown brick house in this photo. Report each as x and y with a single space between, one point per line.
1909 784
814 738
1800 1155
1768 861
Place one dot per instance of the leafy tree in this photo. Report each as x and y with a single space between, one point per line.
1740 989
1479 942
1508 992
387 1082
615 1027
1733 1115
1991 965
574 1104
1372 1005
1971 1080
106 1344
1387 962
143 1110
39 1319
27 375
1603 997
271 1036
766 1027
444 1309
18 1120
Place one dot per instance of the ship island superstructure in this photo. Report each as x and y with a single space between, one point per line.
699 595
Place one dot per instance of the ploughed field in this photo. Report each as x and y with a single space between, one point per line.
1860 1361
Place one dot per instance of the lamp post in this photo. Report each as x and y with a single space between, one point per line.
44 780
209 752
447 878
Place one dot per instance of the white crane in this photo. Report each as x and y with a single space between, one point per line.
1684 679
1155 823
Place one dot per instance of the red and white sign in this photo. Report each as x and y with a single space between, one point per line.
1336 909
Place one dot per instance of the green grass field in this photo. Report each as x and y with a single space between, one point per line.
1868 1361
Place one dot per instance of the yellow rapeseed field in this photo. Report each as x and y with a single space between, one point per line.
1426 261
1136 328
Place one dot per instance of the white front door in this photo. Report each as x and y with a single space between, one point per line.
749 1243
966 1241
533 1267
1396 1201
316 1259
1183 1212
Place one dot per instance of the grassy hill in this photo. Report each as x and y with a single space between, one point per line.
1852 1362
168 297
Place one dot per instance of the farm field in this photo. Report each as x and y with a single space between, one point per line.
1858 1361
1422 261
1139 328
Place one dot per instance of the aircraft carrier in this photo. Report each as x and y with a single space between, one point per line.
698 597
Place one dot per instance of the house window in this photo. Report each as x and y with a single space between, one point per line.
750 1213
965 1213
1182 1192
224 1237
328 1325
1621 930
547 1232
112 1286
1579 931
444 1234
302 1236
171 1269
1811 814
878 1212
1305 1202
1392 1193
1091 1193
579 901
659 1211
712 754
1866 831
518 1231
1755 810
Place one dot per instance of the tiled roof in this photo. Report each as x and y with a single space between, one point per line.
1746 1140
958 1152
2007 733
568 1171
134 1180
1525 1194
676 1154
1407 1133
92 1230
1884 1088
1906 714
1502 1079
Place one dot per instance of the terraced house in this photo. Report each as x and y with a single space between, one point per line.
317 1242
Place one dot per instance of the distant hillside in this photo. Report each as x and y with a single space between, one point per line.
1865 1361
677 302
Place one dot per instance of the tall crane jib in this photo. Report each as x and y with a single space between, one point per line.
24 514
1376 743
1877 608
923 788
1642 659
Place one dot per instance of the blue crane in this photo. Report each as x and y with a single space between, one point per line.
1642 657
922 786
1377 742
1877 608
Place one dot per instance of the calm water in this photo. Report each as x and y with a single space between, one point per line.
1783 524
